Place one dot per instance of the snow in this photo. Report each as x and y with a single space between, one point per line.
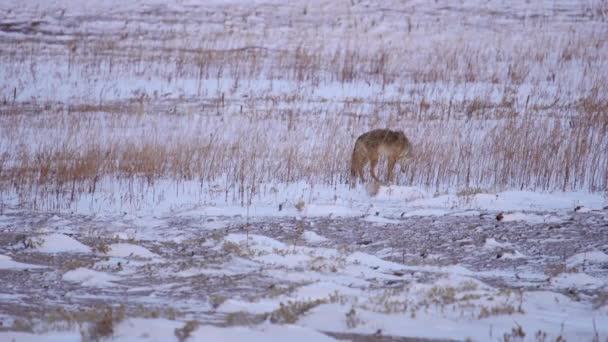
236 266
510 255
339 201
64 336
140 329
577 281
60 243
517 202
129 250
373 262
262 333
342 281
491 243
587 258
360 268
259 307
259 242
88 277
312 237
7 263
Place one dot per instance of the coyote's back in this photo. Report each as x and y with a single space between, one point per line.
369 146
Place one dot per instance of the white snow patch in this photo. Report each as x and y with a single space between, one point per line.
257 241
262 333
60 243
512 255
401 193
491 243
55 336
258 307
125 250
143 329
373 262
322 290
312 237
586 258
88 277
576 280
7 263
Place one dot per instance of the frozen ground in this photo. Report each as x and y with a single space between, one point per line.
177 170
411 265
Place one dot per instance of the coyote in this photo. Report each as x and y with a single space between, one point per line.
369 146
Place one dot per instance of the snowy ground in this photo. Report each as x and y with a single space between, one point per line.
411 265
175 170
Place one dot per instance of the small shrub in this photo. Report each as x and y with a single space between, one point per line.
352 320
289 314
517 334
300 205
442 295
103 325
234 248
184 332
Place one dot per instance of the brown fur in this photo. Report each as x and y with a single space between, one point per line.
369 146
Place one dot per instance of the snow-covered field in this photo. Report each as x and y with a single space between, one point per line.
179 170
400 264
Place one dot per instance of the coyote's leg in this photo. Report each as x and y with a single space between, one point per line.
372 169
391 166
360 169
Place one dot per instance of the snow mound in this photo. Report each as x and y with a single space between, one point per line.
373 262
124 250
512 254
7 263
88 277
312 237
135 329
261 242
593 257
576 280
60 243
492 244
404 193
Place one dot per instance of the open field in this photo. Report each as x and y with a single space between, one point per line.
514 97
195 156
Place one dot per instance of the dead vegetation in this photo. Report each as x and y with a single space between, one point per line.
292 311
184 332
512 116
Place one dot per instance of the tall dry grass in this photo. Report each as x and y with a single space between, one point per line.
522 106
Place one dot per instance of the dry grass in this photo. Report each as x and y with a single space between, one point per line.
292 311
508 116
184 332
